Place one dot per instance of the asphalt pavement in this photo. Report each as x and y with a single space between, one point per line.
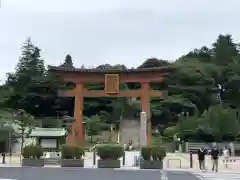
36 173
181 175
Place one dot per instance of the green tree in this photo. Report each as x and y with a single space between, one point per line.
153 63
30 87
6 121
215 123
6 93
29 67
221 121
192 86
224 49
204 54
94 126
68 61
25 123
29 70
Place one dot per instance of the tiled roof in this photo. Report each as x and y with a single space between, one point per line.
106 70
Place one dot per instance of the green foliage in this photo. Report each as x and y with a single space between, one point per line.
220 121
170 131
25 122
192 87
109 151
224 49
29 66
68 61
32 152
72 152
156 153
146 153
94 125
216 123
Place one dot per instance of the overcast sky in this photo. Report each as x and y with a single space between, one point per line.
112 31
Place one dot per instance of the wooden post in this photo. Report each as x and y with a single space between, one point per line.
145 103
76 133
78 114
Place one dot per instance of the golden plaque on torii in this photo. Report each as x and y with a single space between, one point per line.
111 84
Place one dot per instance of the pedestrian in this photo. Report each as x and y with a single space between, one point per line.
226 155
201 159
215 155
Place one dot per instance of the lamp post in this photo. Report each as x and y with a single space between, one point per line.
10 139
19 115
219 89
182 115
10 132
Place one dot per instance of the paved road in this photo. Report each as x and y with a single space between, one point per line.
28 173
178 175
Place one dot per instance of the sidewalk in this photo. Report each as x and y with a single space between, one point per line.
217 176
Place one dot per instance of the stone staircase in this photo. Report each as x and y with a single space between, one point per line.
130 130
52 161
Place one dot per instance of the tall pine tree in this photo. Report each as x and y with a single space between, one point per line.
68 61
29 72
224 50
29 68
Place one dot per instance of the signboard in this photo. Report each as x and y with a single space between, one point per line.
111 84
143 129
48 143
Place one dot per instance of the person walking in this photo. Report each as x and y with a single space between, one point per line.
201 159
215 155
226 156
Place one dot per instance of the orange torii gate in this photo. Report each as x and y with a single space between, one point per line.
112 80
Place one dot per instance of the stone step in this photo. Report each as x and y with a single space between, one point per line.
130 130
52 161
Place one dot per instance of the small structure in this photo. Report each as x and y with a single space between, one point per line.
49 138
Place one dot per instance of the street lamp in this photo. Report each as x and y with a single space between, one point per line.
182 114
219 88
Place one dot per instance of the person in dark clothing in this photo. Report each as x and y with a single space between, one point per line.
215 155
201 158
229 150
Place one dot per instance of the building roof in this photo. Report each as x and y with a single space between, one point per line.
106 70
48 132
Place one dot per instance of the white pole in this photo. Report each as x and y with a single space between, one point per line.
143 133
143 129
118 138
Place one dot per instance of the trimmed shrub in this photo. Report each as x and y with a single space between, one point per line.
72 152
109 151
32 152
146 153
156 153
